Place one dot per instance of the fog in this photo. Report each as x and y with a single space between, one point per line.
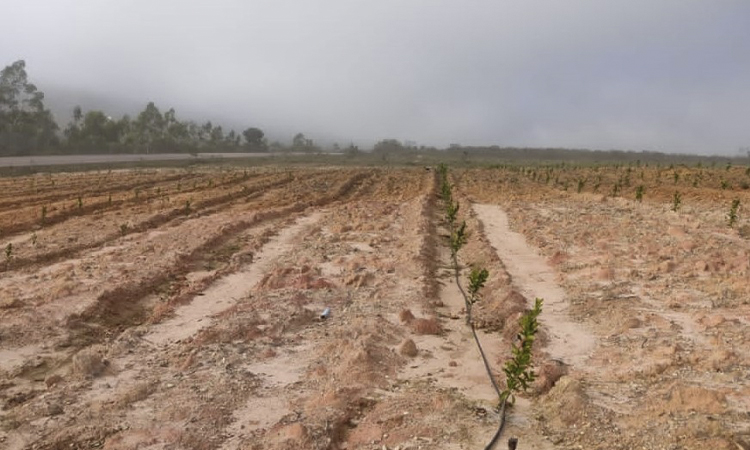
670 76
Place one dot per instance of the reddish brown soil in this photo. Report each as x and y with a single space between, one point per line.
188 315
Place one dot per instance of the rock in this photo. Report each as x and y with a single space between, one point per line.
54 409
408 348
52 380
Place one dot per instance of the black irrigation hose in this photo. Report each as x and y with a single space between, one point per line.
500 427
504 400
473 330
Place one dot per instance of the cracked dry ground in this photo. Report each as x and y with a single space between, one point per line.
178 309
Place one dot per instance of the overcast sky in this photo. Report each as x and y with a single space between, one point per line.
666 75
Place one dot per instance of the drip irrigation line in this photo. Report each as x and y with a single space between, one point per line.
503 399
500 427
474 332
500 396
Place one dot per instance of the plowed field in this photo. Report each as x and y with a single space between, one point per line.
183 309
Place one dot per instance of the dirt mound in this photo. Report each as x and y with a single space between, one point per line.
548 375
408 348
498 312
565 405
360 358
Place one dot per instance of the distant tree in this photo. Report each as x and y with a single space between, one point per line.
387 146
254 139
217 135
232 140
25 124
73 130
77 114
94 132
127 134
150 127
299 140
177 133
205 131
277 147
301 144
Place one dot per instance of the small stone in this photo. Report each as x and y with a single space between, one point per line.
52 380
54 409
408 348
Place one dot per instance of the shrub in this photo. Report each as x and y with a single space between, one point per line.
518 370
458 239
732 215
639 193
676 201
477 279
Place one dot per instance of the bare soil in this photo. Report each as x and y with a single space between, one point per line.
182 309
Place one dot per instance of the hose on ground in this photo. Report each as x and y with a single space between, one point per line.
504 400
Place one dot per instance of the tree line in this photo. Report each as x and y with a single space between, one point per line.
27 127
